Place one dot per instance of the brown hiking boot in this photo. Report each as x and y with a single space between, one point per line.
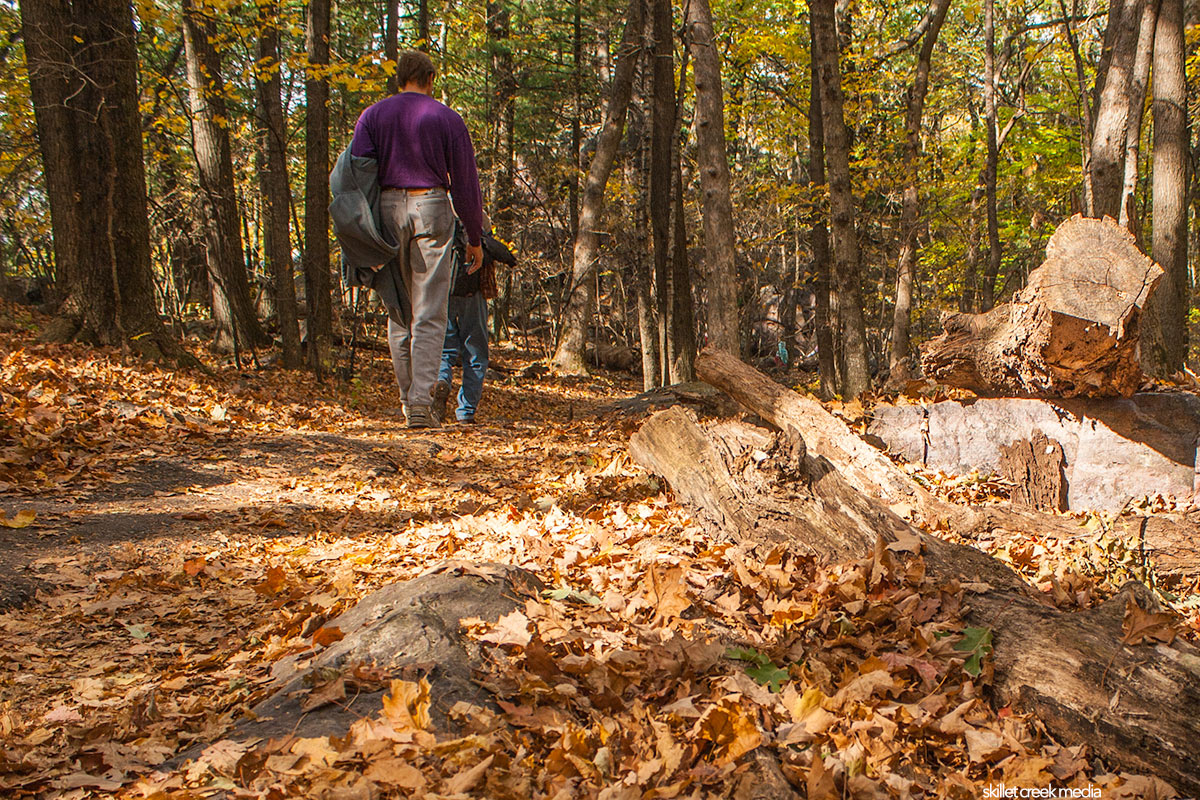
422 417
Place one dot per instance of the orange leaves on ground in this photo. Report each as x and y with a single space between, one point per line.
511 629
731 728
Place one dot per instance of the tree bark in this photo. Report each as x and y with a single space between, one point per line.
276 189
233 310
856 377
900 363
1139 79
987 288
682 336
826 330
1167 323
317 282
82 59
1112 104
720 237
580 294
662 136
1072 331
503 111
391 40
1137 706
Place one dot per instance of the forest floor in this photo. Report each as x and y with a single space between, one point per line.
167 537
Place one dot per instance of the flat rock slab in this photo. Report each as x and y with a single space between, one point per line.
1114 449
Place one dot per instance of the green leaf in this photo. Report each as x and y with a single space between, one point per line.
974 665
974 639
747 654
768 675
567 594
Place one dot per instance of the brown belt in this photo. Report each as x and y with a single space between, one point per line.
423 190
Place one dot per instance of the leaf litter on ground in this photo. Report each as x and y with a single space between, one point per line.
656 665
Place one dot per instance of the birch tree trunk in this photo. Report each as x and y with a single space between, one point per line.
720 240
580 294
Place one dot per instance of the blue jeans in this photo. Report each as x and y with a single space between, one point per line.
466 340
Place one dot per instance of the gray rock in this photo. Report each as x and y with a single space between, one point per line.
1113 449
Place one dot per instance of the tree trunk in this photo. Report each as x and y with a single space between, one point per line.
82 59
663 124
391 43
576 113
233 310
317 285
900 366
856 377
505 83
1167 323
1137 706
720 238
825 330
276 189
580 294
1137 105
423 25
1072 331
1113 79
987 289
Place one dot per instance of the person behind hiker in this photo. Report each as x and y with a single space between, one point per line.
466 330
425 157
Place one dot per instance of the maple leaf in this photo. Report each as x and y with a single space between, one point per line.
1140 625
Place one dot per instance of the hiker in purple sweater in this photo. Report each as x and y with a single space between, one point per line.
425 157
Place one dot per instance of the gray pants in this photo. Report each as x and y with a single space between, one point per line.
423 226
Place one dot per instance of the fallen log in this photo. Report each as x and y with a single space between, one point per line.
1072 331
1170 543
1138 707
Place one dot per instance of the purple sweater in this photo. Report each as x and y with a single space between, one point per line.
419 144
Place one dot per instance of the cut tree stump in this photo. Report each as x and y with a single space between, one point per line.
1072 331
1171 543
1035 468
1138 707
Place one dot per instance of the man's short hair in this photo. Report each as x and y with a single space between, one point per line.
413 66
